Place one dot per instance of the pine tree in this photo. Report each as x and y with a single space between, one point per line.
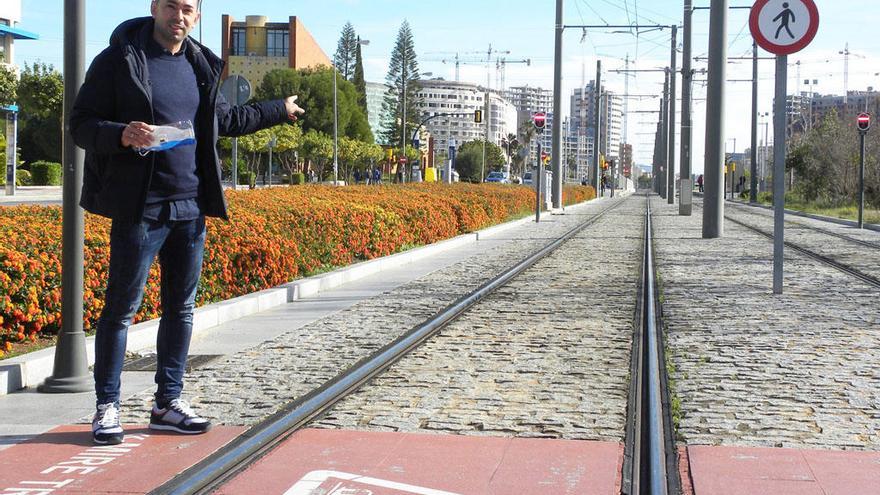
360 84
404 67
346 52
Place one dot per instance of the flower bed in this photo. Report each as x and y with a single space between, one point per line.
274 236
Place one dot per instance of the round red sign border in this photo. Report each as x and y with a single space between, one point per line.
783 49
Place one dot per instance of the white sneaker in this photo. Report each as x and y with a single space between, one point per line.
106 429
178 416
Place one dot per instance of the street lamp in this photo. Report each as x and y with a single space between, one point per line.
336 120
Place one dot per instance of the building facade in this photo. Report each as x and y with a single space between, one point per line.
10 30
462 99
375 97
583 114
256 46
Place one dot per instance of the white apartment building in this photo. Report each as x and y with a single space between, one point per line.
463 99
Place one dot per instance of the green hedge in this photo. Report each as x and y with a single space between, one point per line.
46 173
298 178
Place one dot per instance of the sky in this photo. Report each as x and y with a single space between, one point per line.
525 29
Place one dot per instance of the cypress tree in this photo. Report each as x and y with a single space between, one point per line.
404 67
360 84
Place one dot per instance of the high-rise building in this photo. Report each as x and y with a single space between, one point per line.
583 114
528 101
256 46
375 97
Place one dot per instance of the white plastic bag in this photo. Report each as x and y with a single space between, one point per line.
170 136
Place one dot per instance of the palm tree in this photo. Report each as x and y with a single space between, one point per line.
527 134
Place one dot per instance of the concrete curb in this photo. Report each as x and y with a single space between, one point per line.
31 369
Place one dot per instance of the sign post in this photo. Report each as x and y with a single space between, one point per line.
781 28
864 123
539 120
237 91
11 146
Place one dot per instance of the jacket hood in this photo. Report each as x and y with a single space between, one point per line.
133 31
127 32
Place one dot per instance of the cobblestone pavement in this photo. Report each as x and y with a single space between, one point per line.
752 368
243 388
548 355
864 258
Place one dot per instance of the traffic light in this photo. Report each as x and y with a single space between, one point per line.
478 116
864 122
540 120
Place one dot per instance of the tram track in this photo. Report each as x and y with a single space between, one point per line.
812 254
225 464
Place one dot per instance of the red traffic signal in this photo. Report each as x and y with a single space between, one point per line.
864 121
540 119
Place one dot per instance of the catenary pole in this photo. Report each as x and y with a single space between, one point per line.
597 124
556 153
713 203
673 75
71 369
664 142
685 205
779 118
753 182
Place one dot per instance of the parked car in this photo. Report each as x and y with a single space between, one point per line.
499 177
527 178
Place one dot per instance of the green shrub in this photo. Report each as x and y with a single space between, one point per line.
298 178
23 178
46 173
246 178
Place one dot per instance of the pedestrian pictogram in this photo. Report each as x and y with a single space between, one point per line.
784 27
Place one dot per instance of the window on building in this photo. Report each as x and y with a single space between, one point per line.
237 47
277 42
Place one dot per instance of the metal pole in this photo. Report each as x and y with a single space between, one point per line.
753 183
861 178
664 142
597 123
336 132
271 145
235 141
485 130
713 179
779 171
673 75
556 153
685 206
11 151
403 122
539 171
71 370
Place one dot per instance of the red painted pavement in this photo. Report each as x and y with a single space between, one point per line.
382 463
64 460
771 471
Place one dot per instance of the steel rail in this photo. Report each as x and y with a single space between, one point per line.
861 242
871 280
220 467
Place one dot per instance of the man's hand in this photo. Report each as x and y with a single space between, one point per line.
137 135
293 110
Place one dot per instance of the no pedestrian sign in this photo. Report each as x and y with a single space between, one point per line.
784 27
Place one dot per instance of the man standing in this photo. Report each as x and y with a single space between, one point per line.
151 75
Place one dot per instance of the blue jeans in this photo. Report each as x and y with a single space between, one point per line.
133 247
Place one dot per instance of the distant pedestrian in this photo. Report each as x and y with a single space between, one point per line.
603 183
357 176
152 75
377 176
700 182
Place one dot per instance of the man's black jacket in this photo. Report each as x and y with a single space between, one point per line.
116 91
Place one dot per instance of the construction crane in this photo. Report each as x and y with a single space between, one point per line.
501 70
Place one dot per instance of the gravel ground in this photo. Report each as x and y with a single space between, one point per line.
752 368
243 388
546 356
